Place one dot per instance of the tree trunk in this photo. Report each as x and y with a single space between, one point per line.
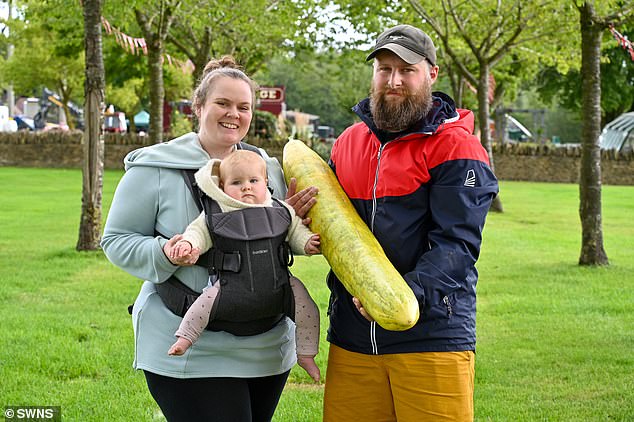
483 118
592 252
69 117
456 81
198 51
459 92
10 49
155 37
500 125
157 89
201 56
155 49
92 181
200 61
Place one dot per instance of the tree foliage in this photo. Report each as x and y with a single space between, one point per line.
198 32
155 20
474 37
47 54
271 27
617 80
327 84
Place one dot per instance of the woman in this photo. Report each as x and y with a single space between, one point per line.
223 377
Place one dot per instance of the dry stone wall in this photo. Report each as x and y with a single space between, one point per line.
545 163
541 163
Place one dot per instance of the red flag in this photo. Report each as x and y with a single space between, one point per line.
623 41
491 93
106 25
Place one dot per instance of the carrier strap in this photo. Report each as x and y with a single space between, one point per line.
204 260
176 295
190 181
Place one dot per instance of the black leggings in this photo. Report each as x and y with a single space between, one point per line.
216 399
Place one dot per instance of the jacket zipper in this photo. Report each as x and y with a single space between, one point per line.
376 181
375 346
448 304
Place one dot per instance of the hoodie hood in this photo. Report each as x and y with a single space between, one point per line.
184 152
208 180
443 111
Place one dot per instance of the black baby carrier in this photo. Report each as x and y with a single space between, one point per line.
249 258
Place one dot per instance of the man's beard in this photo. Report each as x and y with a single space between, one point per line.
396 116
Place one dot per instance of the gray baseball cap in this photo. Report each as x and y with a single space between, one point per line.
409 43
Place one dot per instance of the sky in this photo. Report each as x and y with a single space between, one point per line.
4 13
336 21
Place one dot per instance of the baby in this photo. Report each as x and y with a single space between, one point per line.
237 182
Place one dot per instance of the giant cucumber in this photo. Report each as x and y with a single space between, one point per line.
350 248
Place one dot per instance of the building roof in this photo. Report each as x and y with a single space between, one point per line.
514 124
619 133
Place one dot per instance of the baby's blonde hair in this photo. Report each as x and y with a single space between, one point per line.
241 156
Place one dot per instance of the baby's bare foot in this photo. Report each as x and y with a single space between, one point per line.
309 365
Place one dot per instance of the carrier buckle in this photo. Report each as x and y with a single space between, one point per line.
226 261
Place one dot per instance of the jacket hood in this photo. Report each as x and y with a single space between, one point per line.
184 152
443 111
208 180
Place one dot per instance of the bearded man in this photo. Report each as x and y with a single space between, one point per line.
421 181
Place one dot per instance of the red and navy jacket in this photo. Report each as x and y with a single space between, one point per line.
425 194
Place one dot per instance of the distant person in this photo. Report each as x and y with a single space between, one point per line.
224 377
422 183
236 183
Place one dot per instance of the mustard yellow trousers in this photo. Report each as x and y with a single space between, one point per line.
406 387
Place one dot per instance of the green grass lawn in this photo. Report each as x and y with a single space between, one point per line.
555 340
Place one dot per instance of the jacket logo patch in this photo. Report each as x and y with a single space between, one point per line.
260 252
470 179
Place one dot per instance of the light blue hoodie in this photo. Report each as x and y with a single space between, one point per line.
152 198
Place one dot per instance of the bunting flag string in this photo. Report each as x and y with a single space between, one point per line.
135 46
623 41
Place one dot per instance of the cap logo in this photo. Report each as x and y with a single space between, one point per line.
396 37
